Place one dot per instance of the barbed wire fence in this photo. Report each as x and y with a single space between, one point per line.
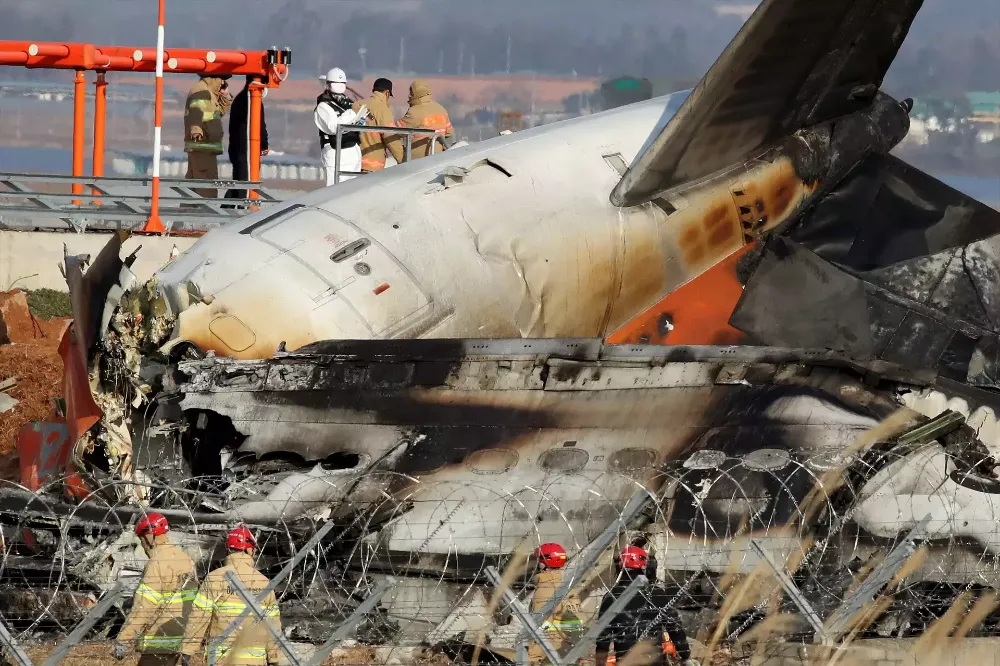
759 552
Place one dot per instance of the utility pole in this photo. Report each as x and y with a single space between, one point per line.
473 64
440 61
402 53
508 54
461 56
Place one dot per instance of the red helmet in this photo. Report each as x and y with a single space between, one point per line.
551 555
152 524
634 557
241 539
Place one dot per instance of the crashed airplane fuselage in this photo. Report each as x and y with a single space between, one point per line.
761 208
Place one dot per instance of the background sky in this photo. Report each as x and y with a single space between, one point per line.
955 44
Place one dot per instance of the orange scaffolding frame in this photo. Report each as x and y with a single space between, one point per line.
270 67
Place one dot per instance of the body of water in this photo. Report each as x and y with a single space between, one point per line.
58 160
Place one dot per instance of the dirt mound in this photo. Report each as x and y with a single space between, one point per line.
32 356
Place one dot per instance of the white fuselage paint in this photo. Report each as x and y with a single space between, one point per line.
541 253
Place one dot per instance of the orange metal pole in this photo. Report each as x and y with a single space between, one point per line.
227 57
100 108
48 50
79 119
254 148
153 224
13 58
187 64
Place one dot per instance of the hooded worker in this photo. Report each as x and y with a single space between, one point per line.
563 626
425 113
374 145
207 102
217 604
163 599
334 108
648 617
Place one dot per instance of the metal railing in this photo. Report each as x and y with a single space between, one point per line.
115 203
407 132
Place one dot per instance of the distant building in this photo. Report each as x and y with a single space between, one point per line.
981 112
985 106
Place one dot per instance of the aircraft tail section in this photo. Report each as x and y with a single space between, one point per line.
795 63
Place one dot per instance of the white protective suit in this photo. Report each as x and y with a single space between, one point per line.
327 119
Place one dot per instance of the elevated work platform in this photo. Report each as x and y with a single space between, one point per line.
31 202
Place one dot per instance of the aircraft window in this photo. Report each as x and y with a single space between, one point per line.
350 250
564 460
492 461
631 460
270 218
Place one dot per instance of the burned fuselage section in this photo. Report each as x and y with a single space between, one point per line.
439 457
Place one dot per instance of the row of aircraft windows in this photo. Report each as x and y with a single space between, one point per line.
565 459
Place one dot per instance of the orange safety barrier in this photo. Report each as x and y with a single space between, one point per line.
270 67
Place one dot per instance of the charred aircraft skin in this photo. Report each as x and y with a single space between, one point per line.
431 438
276 370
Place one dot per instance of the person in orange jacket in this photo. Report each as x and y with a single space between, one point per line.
163 599
374 145
426 113
217 604
563 627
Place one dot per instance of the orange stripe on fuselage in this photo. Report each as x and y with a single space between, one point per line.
699 311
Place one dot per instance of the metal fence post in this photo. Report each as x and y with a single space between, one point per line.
13 648
521 652
527 621
602 622
336 154
273 585
338 636
792 590
85 625
254 605
409 147
877 579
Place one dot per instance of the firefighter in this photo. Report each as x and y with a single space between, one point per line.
374 145
217 604
425 112
334 108
564 625
163 599
646 617
207 102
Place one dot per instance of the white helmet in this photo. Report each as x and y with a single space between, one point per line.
336 80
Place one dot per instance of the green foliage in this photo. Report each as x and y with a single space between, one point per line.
49 303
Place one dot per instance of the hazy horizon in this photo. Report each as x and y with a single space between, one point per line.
953 43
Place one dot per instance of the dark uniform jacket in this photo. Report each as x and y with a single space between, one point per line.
239 134
646 616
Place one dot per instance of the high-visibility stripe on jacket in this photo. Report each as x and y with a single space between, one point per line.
162 601
375 144
563 627
204 108
425 113
216 605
